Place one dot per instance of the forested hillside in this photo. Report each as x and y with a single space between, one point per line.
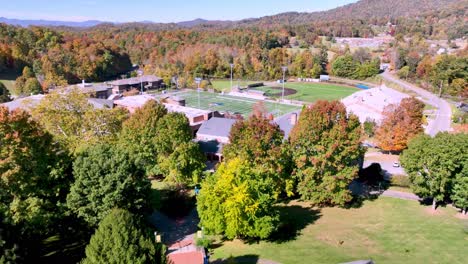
257 47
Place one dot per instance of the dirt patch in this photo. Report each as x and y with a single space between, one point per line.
462 216
287 91
429 211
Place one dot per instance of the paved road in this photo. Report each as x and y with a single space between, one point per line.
443 114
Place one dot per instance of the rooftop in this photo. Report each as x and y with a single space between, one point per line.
216 126
136 80
286 123
371 103
188 111
134 101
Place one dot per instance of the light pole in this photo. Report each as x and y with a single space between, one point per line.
198 81
284 68
232 66
140 73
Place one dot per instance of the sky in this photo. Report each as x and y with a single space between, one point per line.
165 11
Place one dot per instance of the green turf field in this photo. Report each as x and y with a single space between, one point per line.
386 230
232 104
311 92
225 85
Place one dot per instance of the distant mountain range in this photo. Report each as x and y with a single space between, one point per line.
26 23
364 9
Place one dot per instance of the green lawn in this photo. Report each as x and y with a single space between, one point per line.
232 104
8 79
386 230
311 92
225 85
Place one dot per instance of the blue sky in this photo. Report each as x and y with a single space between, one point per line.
157 10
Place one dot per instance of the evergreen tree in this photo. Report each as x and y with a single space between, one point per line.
121 238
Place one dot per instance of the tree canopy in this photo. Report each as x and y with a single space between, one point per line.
259 141
75 122
121 238
327 153
433 165
237 201
34 176
401 123
105 178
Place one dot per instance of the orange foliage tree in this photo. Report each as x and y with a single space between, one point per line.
401 123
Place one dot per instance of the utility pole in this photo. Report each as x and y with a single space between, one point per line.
232 66
284 68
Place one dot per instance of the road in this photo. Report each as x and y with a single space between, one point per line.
442 118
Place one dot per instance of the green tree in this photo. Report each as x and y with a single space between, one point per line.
4 93
460 190
139 133
33 174
172 130
237 202
259 141
27 83
344 66
105 178
369 127
184 165
32 86
122 238
404 72
434 163
327 152
74 122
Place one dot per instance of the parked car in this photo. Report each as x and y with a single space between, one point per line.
396 164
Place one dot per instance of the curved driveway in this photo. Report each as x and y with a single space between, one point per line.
442 119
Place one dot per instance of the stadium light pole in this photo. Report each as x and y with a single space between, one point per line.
198 81
284 68
232 67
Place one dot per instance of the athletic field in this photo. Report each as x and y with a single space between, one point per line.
310 92
231 104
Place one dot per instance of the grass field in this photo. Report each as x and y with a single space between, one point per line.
225 85
311 92
8 79
232 104
386 230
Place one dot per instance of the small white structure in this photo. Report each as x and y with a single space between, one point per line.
324 78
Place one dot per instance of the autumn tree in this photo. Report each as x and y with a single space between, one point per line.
327 153
75 122
34 178
122 238
435 165
237 201
27 83
261 142
106 178
400 124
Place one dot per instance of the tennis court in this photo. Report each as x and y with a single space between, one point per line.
232 104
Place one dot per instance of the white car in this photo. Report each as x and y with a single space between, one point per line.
396 164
